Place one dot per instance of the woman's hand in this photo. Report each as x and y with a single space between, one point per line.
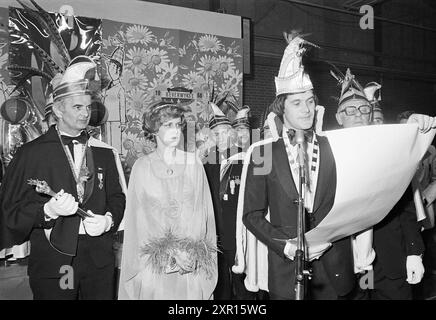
184 261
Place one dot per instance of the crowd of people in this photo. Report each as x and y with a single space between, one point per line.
180 208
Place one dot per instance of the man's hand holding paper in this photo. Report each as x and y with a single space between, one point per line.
315 252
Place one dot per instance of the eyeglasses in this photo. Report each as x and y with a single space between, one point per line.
352 110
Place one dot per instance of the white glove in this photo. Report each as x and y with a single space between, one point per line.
415 269
315 252
425 123
95 225
63 204
363 253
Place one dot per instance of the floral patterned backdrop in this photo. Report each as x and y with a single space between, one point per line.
5 86
154 59
139 61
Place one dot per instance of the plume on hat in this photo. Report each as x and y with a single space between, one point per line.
241 119
291 77
217 117
350 87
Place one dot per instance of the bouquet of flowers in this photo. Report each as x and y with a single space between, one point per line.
161 254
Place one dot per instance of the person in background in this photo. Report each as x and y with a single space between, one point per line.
222 133
397 246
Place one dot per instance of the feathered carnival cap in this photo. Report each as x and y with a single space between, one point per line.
76 78
372 92
218 117
241 119
292 77
351 88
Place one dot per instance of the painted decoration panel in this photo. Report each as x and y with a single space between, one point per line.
143 62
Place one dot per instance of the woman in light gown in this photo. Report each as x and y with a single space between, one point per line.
169 249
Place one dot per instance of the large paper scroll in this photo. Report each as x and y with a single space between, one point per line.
374 167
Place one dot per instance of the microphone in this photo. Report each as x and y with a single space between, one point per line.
299 136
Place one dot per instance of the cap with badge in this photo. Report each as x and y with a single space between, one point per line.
241 120
217 118
351 89
76 79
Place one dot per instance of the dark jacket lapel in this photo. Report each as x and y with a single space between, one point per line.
327 172
283 170
89 185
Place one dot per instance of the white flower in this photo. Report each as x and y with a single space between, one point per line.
134 81
3 59
227 88
157 59
169 71
129 140
208 66
147 146
139 34
226 66
192 79
209 43
135 103
158 84
137 59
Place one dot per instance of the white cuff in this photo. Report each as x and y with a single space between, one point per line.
286 250
110 221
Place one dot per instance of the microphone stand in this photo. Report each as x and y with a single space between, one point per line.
300 253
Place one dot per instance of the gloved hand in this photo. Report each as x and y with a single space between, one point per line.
63 204
95 225
425 123
415 269
315 252
184 261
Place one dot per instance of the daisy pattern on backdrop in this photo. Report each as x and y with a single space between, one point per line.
134 80
235 77
135 103
159 83
226 66
169 71
157 59
228 89
139 34
136 59
207 66
3 61
209 43
129 140
192 80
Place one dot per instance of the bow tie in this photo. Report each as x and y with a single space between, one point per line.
82 138
308 135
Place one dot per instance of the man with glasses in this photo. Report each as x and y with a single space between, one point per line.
397 243
354 108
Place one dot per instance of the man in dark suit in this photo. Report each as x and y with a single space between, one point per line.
276 189
221 129
71 257
397 243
